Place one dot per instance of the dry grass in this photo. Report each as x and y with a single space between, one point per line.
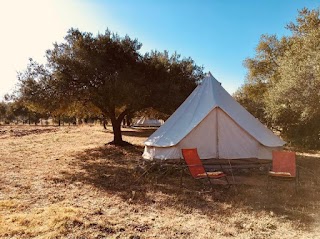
66 183
47 222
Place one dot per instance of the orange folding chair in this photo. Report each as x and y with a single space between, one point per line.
284 167
197 169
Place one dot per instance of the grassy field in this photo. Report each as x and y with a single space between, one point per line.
66 183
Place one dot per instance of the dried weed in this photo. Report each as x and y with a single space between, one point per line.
66 183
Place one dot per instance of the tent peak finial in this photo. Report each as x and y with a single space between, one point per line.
211 76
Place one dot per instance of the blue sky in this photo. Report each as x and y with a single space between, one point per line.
217 34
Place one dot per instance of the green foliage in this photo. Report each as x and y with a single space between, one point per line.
250 95
37 91
290 72
169 80
108 74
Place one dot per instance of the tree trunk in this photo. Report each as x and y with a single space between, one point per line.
116 126
104 123
117 134
128 121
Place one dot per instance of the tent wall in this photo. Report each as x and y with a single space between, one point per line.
234 142
161 153
217 129
266 152
203 137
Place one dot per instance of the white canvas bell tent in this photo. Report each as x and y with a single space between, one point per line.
214 123
148 122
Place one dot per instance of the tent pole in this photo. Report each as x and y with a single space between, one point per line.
217 135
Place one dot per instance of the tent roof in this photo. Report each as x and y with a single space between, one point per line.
207 96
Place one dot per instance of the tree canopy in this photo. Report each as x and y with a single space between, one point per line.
283 81
108 73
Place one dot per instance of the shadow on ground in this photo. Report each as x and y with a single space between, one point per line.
138 132
17 132
135 132
120 171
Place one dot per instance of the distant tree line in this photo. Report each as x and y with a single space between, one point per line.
18 113
105 76
12 112
283 81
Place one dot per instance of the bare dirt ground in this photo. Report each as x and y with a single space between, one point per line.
66 183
